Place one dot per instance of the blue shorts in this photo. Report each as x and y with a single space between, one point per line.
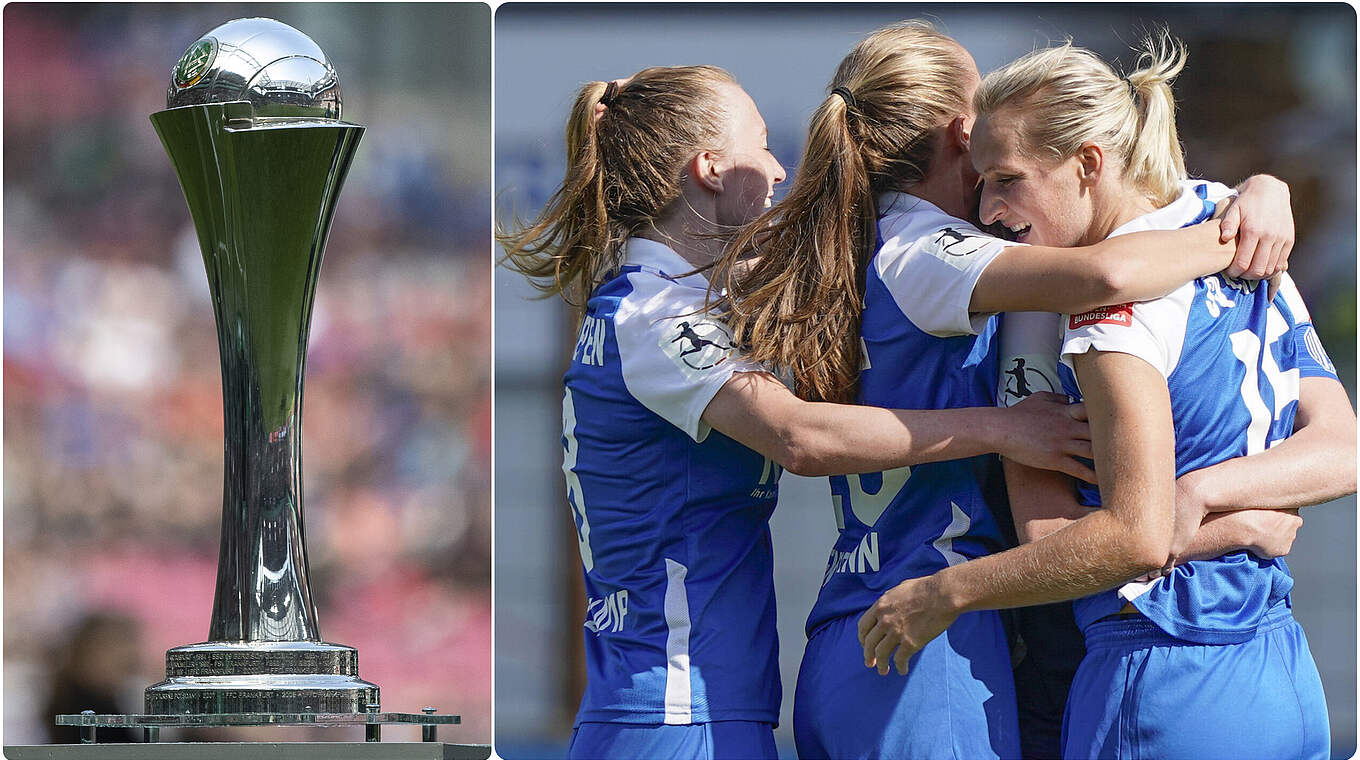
1141 693
719 740
956 701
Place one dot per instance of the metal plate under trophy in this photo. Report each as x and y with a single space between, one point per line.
252 127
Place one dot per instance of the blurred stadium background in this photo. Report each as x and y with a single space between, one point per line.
112 403
1269 88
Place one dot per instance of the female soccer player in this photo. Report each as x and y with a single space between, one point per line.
672 442
867 283
1206 661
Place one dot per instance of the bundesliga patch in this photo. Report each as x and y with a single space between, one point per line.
695 343
953 246
1105 315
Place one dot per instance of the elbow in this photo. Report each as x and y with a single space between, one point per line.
797 454
1150 550
1111 282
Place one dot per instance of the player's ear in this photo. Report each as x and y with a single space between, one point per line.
1090 163
705 170
960 132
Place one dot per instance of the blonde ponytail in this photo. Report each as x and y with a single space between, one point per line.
794 278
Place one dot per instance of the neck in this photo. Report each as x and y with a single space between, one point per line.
688 235
686 229
1120 206
948 186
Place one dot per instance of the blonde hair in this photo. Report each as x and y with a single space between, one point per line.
625 162
797 305
1069 97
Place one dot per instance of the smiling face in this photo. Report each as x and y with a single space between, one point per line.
1042 201
749 170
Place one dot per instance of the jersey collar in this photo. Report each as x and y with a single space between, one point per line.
663 259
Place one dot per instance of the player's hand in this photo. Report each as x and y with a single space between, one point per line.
904 619
1262 220
1270 532
1047 433
1191 510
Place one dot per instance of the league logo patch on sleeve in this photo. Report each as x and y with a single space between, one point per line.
953 246
1021 380
695 343
1105 315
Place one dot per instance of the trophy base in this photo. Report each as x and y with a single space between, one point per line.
261 677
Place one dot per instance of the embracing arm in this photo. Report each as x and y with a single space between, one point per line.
813 438
1129 537
1316 463
1252 502
1144 265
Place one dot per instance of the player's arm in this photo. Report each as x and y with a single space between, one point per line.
1316 463
811 438
1131 432
1143 265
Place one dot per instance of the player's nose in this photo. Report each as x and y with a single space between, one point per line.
990 207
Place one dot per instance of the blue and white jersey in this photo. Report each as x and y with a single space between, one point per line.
672 518
922 350
1232 360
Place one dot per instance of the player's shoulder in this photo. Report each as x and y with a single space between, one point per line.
910 225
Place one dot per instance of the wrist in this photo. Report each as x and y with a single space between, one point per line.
1001 427
947 592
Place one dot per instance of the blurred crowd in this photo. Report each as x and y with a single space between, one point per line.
113 447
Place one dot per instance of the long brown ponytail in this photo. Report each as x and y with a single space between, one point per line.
795 277
625 161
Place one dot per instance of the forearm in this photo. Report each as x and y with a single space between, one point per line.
1133 267
1218 535
1042 501
1314 465
1130 416
1095 553
830 439
806 438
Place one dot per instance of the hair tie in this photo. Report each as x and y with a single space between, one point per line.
611 91
845 94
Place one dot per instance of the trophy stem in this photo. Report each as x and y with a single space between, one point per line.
262 195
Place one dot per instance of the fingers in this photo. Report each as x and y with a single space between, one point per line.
883 654
1274 286
871 643
901 659
1052 398
867 622
1077 412
1228 225
1248 244
1081 447
1077 470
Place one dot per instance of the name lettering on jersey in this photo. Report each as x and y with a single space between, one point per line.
1105 315
861 559
606 615
590 343
768 487
696 343
953 246
1022 380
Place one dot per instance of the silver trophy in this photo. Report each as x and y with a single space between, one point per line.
252 126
